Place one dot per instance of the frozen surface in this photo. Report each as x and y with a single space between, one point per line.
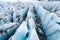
30 20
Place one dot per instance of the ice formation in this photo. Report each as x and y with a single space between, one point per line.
30 20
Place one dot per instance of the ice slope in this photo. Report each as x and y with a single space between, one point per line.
7 30
50 23
47 12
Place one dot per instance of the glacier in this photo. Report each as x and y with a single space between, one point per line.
30 20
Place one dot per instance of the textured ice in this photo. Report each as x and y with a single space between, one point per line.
49 24
34 35
32 30
30 20
7 30
20 15
21 32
